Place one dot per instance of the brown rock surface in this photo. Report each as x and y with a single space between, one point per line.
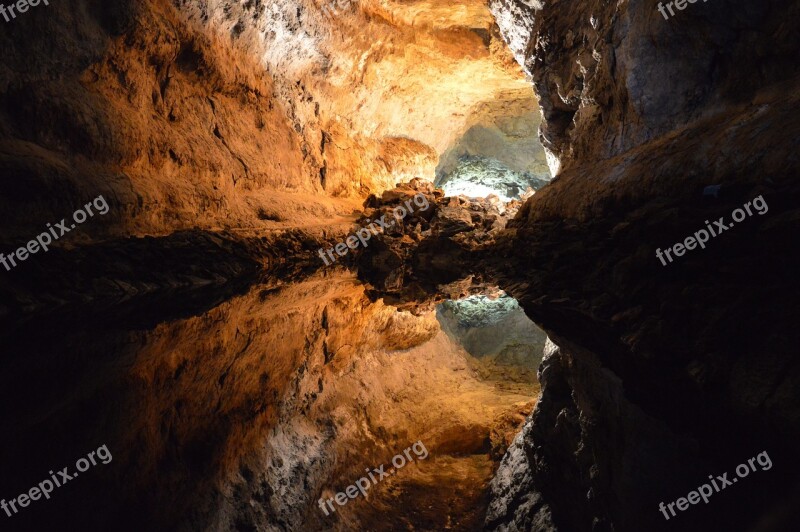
610 76
665 374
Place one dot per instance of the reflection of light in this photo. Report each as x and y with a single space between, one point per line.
481 310
478 177
472 190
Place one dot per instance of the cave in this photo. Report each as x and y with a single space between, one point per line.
504 265
499 153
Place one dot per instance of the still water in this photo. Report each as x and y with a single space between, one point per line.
240 410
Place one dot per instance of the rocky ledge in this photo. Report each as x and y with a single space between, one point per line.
435 252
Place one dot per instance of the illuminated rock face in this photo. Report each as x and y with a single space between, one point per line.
610 76
500 153
373 70
516 18
262 116
478 177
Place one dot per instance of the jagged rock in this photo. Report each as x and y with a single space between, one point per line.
649 392
431 252
610 75
452 220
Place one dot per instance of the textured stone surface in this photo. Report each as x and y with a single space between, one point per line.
493 327
611 75
433 254
371 71
176 129
665 374
252 118
255 116
515 19
500 151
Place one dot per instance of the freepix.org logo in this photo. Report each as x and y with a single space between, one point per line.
701 237
43 241
679 4
365 233
365 483
9 12
46 487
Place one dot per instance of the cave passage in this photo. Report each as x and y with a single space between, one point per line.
236 380
497 334
500 152
327 230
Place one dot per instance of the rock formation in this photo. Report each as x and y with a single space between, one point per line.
665 374
238 378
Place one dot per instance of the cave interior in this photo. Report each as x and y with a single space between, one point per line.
257 252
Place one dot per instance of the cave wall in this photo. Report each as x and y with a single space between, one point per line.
257 116
663 374
365 73
612 76
505 129
128 101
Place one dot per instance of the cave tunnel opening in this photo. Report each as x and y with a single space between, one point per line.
498 153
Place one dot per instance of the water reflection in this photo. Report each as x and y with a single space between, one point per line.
242 413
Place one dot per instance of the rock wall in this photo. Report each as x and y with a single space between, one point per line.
256 116
176 130
503 135
665 373
611 76
493 327
265 121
